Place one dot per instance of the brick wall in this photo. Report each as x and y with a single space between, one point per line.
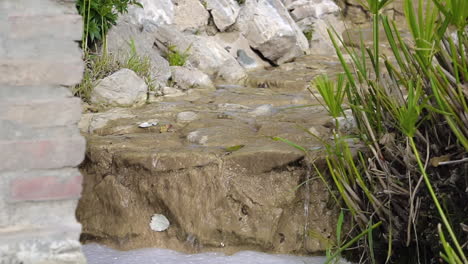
40 145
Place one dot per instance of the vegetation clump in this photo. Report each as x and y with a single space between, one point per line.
175 57
99 16
101 65
308 33
412 119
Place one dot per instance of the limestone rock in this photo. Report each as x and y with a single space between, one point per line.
123 88
119 41
238 46
224 12
157 11
187 116
205 54
190 15
262 110
270 29
187 78
171 92
317 16
300 9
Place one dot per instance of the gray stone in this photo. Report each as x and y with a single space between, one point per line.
92 121
263 110
171 92
270 29
238 46
123 88
224 12
301 9
157 11
187 116
41 113
245 60
204 52
119 41
187 78
190 15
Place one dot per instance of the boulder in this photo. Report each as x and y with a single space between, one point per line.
123 88
271 30
157 11
300 9
187 78
205 54
238 46
224 12
316 16
119 41
190 15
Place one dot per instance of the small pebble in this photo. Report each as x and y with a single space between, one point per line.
187 116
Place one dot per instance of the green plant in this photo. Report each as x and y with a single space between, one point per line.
308 33
101 65
99 16
175 57
410 112
336 248
97 66
141 65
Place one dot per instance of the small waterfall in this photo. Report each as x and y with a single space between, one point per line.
306 200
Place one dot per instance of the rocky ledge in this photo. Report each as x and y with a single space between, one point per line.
207 161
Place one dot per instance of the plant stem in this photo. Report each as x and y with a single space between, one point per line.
375 29
436 201
88 15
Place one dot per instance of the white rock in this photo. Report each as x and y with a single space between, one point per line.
171 92
197 138
204 52
92 121
187 116
123 88
159 223
187 78
318 16
148 123
190 15
270 29
224 12
301 9
230 107
313 131
158 11
118 43
238 46
266 109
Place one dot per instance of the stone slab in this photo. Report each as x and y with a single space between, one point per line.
47 153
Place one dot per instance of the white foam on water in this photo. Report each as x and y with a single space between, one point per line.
98 254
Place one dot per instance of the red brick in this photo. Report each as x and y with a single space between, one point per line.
46 188
41 153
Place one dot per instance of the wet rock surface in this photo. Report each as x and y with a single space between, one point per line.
211 166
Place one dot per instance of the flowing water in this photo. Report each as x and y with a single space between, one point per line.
98 254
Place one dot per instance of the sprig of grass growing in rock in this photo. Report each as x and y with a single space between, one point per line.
308 33
409 113
101 65
175 57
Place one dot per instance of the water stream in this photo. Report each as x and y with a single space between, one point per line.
98 254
